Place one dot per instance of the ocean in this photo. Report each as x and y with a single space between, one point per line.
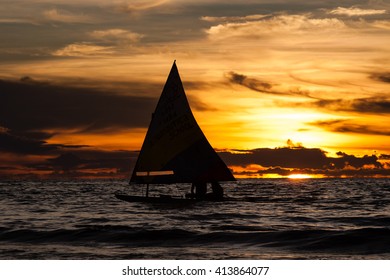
265 219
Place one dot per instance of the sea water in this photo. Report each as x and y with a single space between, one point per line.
264 219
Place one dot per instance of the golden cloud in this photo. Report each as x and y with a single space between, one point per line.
65 16
352 11
283 24
83 49
116 35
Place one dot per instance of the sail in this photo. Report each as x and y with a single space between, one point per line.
175 150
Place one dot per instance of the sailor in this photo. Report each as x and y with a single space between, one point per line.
198 191
217 191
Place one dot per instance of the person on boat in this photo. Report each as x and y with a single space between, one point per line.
217 191
198 191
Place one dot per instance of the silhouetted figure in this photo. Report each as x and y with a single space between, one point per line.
198 191
217 191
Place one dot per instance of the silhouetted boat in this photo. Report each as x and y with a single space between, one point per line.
175 150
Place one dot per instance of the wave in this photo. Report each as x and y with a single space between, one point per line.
364 240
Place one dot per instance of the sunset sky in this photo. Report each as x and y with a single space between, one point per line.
278 87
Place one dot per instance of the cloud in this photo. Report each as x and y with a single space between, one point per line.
381 24
378 105
83 49
65 16
46 106
353 11
18 21
58 160
23 145
384 157
345 126
79 162
140 5
278 157
232 18
263 86
290 160
274 26
382 77
106 43
119 36
253 84
30 142
43 106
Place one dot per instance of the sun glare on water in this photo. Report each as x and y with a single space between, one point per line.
299 176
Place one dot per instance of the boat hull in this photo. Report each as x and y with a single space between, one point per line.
161 199
154 199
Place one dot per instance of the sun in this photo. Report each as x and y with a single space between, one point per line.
299 176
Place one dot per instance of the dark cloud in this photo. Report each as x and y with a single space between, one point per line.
23 145
66 162
371 105
250 83
290 160
75 163
278 157
345 126
34 106
382 77
81 161
384 157
29 80
379 105
263 86
356 162
30 105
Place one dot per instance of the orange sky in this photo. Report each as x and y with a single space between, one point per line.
83 79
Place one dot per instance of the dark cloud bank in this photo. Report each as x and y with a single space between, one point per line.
289 160
33 106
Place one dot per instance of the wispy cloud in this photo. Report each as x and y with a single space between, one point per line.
381 24
138 5
263 86
354 11
66 17
232 18
105 42
83 49
251 83
19 21
371 105
346 126
383 77
118 36
276 25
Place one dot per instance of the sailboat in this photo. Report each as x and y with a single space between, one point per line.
175 150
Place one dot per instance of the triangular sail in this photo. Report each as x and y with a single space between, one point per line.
175 150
